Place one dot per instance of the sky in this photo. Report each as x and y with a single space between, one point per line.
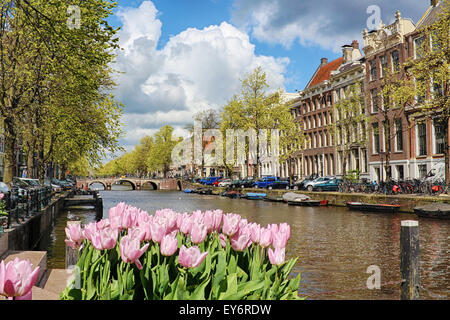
179 57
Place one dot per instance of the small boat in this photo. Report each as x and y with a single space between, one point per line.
383 207
232 194
435 210
255 196
292 196
274 199
204 191
189 191
308 203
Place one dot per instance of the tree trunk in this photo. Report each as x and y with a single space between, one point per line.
446 153
10 152
387 149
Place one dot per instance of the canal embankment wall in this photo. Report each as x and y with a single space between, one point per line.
407 202
27 235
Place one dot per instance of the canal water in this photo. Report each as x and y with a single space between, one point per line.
335 246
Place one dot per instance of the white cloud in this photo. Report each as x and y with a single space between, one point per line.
325 23
195 70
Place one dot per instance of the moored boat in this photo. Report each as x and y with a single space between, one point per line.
189 190
274 199
435 210
308 203
232 194
292 196
371 207
255 196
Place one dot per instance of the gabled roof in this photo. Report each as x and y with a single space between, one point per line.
431 15
324 72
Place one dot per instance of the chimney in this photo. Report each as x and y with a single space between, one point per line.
355 44
347 53
434 3
323 61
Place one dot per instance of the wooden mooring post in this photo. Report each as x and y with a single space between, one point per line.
71 253
409 259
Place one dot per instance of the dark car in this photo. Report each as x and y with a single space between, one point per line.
330 185
280 184
247 182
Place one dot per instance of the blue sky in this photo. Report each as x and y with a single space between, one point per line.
183 56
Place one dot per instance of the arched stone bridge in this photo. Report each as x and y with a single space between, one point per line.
136 183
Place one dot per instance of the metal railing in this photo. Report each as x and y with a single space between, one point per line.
25 204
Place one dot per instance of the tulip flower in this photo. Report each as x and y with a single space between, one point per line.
17 279
192 257
130 250
185 224
265 238
276 257
2 195
255 232
157 230
198 233
279 240
230 223
74 235
169 245
240 241
105 239
223 240
286 229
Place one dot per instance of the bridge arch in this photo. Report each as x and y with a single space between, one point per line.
133 185
96 181
148 182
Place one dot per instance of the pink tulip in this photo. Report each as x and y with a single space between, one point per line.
2 195
105 239
74 235
286 229
192 257
240 241
169 245
17 278
90 230
230 223
279 240
223 240
265 238
130 250
185 224
218 214
208 220
276 257
255 232
198 233
157 230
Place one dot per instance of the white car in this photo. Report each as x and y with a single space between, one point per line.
310 185
225 183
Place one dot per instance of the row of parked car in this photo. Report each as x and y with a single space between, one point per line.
312 183
23 184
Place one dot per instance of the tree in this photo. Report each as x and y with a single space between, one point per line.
52 77
349 130
209 119
255 109
428 84
160 156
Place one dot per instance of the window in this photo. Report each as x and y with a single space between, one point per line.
395 61
374 98
422 139
439 138
422 170
400 172
376 138
365 162
378 174
418 47
420 87
436 89
398 135
373 70
383 65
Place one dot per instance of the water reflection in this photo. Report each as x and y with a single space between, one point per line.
335 246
